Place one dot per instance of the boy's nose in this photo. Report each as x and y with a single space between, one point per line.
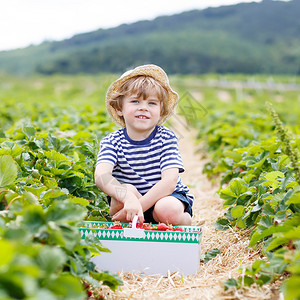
143 106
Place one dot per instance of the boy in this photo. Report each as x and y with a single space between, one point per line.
138 166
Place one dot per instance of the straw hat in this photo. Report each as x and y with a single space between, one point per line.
147 70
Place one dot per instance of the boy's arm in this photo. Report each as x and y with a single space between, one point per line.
107 183
112 187
162 188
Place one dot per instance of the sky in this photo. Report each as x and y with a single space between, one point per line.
30 22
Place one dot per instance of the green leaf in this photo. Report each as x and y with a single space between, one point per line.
268 210
29 131
207 256
94 245
71 236
241 223
67 287
77 265
65 212
113 281
228 202
293 221
266 232
227 194
78 200
266 221
280 215
6 252
295 199
8 170
30 198
57 172
35 190
283 238
295 267
33 218
255 163
272 179
50 259
237 186
230 283
257 265
264 279
56 157
247 280
51 194
234 155
222 224
20 234
55 235
237 211
291 288
71 183
10 148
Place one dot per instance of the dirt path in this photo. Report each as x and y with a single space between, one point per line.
207 283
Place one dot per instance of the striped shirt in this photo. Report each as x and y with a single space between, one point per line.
141 163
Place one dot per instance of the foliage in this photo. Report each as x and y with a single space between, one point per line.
265 196
49 133
41 248
284 136
207 256
47 155
259 183
236 122
224 39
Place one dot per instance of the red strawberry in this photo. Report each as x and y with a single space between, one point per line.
162 227
178 229
116 227
148 227
89 293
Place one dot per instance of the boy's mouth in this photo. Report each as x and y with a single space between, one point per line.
142 117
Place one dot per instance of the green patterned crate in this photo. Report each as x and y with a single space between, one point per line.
147 251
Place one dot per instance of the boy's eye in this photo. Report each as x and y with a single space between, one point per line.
153 103
134 101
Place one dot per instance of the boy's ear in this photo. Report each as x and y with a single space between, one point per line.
119 112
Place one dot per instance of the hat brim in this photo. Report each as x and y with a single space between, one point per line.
147 70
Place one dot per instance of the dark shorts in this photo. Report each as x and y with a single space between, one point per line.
148 214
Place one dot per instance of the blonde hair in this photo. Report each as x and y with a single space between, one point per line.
141 85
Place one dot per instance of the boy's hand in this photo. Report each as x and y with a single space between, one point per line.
131 208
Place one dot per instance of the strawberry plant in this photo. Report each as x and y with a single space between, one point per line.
50 130
258 174
42 250
47 159
262 193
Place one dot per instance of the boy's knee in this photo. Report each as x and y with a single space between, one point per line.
168 210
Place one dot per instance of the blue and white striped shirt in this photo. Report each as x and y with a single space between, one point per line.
141 163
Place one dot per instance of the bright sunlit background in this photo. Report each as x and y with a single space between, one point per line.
33 21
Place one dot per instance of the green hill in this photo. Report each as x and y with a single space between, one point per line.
244 38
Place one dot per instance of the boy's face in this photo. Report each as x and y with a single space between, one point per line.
141 115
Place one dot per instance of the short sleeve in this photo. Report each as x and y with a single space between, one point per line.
107 152
171 157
